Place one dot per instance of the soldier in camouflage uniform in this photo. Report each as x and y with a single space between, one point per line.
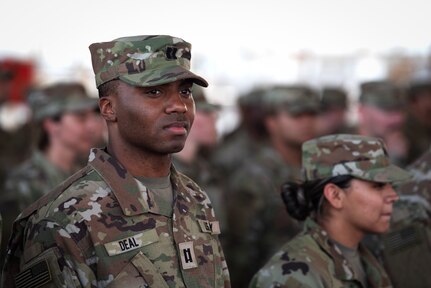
333 109
382 114
63 116
128 219
410 233
245 140
258 222
418 124
346 192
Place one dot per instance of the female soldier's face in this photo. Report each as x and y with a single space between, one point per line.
156 119
368 205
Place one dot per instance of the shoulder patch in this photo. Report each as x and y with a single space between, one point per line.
34 276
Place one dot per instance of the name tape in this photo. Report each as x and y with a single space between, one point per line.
132 243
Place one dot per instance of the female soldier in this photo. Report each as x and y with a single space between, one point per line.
346 193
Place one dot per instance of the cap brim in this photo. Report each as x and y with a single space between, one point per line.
83 105
155 77
389 174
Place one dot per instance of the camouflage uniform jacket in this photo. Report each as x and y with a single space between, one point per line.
25 184
103 228
33 179
258 222
311 260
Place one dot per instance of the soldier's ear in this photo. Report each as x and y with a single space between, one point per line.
107 109
334 195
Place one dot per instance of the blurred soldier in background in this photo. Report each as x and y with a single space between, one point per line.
410 233
16 77
244 141
258 222
381 113
418 126
332 117
193 160
65 124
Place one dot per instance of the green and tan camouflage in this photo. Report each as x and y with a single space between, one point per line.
103 228
60 98
312 260
24 185
343 154
295 99
383 95
144 61
257 218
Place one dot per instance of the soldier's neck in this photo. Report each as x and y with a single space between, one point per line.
61 157
140 163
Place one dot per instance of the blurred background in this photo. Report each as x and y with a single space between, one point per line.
236 44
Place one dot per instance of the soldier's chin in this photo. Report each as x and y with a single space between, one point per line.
176 148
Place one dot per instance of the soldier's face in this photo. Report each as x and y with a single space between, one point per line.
380 122
367 206
204 131
155 119
293 129
74 131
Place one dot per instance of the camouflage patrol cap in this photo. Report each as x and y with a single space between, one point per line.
143 60
333 97
295 99
59 98
343 154
201 101
382 94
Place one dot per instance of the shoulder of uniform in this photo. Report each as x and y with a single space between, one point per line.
55 193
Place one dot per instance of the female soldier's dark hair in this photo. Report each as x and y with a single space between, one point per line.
302 199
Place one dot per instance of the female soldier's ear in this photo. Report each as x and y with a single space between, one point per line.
334 195
107 109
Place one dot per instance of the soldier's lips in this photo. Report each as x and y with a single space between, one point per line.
177 128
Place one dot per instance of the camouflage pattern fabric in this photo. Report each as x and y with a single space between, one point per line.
210 180
103 228
333 97
383 95
343 154
312 260
295 99
143 60
25 184
60 98
258 222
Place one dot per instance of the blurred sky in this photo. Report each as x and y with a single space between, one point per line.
234 41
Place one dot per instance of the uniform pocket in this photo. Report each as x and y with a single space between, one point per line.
140 272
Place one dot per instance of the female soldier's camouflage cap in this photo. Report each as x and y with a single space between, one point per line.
143 60
342 154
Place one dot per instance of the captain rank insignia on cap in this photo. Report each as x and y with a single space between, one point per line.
188 258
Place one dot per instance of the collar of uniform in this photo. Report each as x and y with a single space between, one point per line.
342 269
134 198
376 275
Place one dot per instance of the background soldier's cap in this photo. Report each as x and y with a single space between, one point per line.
343 154
295 99
143 60
201 101
420 82
60 98
333 97
382 94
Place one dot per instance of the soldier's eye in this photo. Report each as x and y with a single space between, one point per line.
379 185
187 92
153 92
